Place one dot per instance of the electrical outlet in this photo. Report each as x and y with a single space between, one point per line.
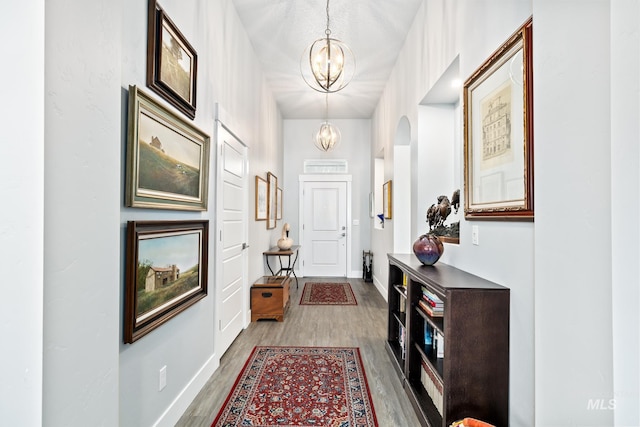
475 238
162 378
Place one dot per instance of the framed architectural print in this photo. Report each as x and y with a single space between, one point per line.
386 200
498 133
167 158
166 272
272 203
279 203
261 199
172 63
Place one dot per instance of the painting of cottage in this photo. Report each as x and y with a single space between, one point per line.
168 269
158 277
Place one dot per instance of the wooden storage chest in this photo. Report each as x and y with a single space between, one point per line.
270 298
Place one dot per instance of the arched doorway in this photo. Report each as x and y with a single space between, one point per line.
402 188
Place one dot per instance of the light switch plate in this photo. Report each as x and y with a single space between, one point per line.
475 238
162 378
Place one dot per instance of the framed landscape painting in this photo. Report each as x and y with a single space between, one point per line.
166 272
167 158
172 62
498 133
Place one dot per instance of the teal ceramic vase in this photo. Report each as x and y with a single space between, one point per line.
428 248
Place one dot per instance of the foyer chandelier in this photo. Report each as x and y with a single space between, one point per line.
328 64
328 137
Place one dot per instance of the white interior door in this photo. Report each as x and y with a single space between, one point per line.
231 289
325 229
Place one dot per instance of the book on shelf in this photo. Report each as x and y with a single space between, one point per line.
431 311
431 298
432 303
404 279
403 305
428 335
401 340
432 386
439 345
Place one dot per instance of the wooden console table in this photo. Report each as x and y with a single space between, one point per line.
290 268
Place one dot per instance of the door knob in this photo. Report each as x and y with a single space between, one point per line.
343 234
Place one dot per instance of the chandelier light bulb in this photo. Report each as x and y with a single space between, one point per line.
328 63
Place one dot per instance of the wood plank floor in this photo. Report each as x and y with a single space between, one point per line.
363 326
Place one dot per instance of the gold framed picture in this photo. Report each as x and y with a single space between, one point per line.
386 200
498 133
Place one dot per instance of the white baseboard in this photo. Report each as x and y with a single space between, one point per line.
355 274
380 288
180 404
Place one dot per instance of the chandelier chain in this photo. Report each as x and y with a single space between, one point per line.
328 30
326 107
328 64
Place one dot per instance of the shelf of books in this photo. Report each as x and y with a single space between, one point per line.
397 332
437 315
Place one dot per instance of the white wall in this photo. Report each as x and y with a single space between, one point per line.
625 209
602 127
401 199
570 272
438 158
22 215
228 74
355 148
574 294
441 31
82 198
92 56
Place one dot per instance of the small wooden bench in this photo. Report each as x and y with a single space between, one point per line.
270 298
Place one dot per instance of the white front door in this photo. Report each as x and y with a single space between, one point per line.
231 289
324 225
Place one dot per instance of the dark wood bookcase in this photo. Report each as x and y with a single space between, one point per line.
473 375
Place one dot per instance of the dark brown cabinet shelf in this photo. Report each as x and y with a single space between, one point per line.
471 379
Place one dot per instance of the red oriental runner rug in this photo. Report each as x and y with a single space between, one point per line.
300 386
315 293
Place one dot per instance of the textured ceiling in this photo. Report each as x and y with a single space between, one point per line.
280 31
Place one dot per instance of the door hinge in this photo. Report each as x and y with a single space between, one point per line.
221 235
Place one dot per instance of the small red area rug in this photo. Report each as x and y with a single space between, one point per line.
316 293
300 386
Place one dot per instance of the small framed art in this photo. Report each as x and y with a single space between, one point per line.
272 201
386 200
279 203
172 63
261 199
